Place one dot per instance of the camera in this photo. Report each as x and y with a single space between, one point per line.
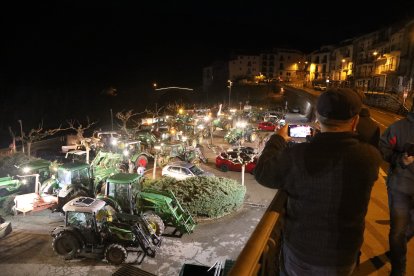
299 131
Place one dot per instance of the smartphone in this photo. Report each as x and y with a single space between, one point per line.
299 131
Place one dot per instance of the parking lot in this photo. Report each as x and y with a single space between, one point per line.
28 251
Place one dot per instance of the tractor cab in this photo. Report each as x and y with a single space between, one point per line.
81 213
121 187
40 167
74 176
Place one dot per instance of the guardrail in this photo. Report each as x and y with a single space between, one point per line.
260 256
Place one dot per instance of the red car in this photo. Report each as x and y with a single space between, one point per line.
267 126
229 161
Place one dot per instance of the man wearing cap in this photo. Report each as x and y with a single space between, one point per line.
328 182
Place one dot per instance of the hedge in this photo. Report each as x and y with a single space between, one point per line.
203 197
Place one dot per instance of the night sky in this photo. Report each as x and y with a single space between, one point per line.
58 46
170 43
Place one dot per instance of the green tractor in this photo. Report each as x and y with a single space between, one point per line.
27 181
222 122
77 179
132 150
92 229
242 131
178 151
80 179
8 186
123 192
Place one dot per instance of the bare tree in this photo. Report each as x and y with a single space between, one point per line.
154 113
38 134
80 130
13 144
173 107
126 119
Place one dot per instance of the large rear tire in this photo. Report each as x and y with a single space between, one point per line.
155 222
142 161
66 245
115 254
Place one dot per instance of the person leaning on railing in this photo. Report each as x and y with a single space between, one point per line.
328 181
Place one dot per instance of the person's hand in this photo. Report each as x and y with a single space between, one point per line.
407 159
283 131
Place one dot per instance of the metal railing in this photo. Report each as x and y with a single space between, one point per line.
260 256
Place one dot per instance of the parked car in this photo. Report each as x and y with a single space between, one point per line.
231 161
182 170
320 87
266 126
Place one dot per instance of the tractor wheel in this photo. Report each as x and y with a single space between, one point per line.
66 245
123 168
162 161
224 168
115 254
142 161
155 222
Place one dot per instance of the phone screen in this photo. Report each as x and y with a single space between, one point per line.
299 131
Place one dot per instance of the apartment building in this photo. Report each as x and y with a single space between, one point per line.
243 67
382 60
377 58
283 65
341 64
318 63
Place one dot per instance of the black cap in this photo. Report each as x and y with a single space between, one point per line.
339 104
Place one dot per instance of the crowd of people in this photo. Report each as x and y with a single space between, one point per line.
329 179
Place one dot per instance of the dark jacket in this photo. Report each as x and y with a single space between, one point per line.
367 129
393 143
328 182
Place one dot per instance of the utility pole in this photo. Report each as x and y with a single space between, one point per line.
112 120
230 83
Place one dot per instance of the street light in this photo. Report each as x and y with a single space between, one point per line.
230 83
112 120
21 134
